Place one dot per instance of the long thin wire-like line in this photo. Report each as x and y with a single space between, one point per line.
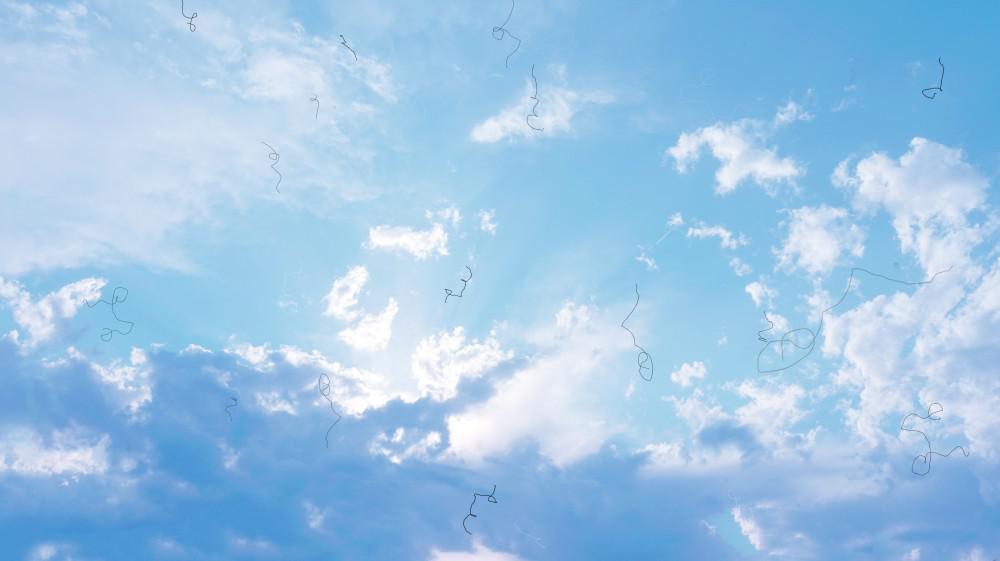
324 389
939 87
343 41
120 294
534 110
274 156
316 99
465 283
489 498
190 18
228 407
930 451
501 31
642 352
813 335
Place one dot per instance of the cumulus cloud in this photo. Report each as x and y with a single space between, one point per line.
42 317
440 362
760 293
688 372
739 147
486 223
373 331
928 193
421 244
71 451
404 445
130 384
817 239
557 106
479 553
343 295
726 238
740 267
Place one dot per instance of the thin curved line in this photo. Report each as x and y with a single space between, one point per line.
926 457
534 110
761 337
118 295
465 282
190 18
940 86
489 498
819 329
502 29
324 390
316 99
642 351
274 155
228 407
343 41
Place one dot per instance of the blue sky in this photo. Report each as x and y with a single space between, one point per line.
726 160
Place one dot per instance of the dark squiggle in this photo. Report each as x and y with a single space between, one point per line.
475 496
275 157
643 357
465 283
316 99
323 383
534 110
190 18
930 452
761 337
343 41
500 32
119 295
811 335
228 407
939 87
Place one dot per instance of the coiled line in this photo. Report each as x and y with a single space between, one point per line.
643 358
228 407
939 87
475 496
501 31
190 18
465 283
534 110
926 458
275 157
119 295
323 383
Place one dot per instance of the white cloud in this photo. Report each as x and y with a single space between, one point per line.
790 113
688 372
41 318
450 214
421 244
258 356
130 383
739 147
373 332
70 451
749 528
817 239
274 402
404 445
486 223
343 295
928 193
557 106
314 515
648 261
479 553
440 362
740 267
760 292
726 238
555 399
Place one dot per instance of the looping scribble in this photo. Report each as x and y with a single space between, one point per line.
275 157
316 99
475 496
465 283
119 295
343 41
501 31
644 361
939 87
230 406
534 109
804 338
761 337
190 18
926 458
323 383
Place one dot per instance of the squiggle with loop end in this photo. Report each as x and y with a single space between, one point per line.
643 359
228 407
500 32
190 18
534 110
926 458
939 87
323 383
275 157
475 496
119 295
790 337
465 283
